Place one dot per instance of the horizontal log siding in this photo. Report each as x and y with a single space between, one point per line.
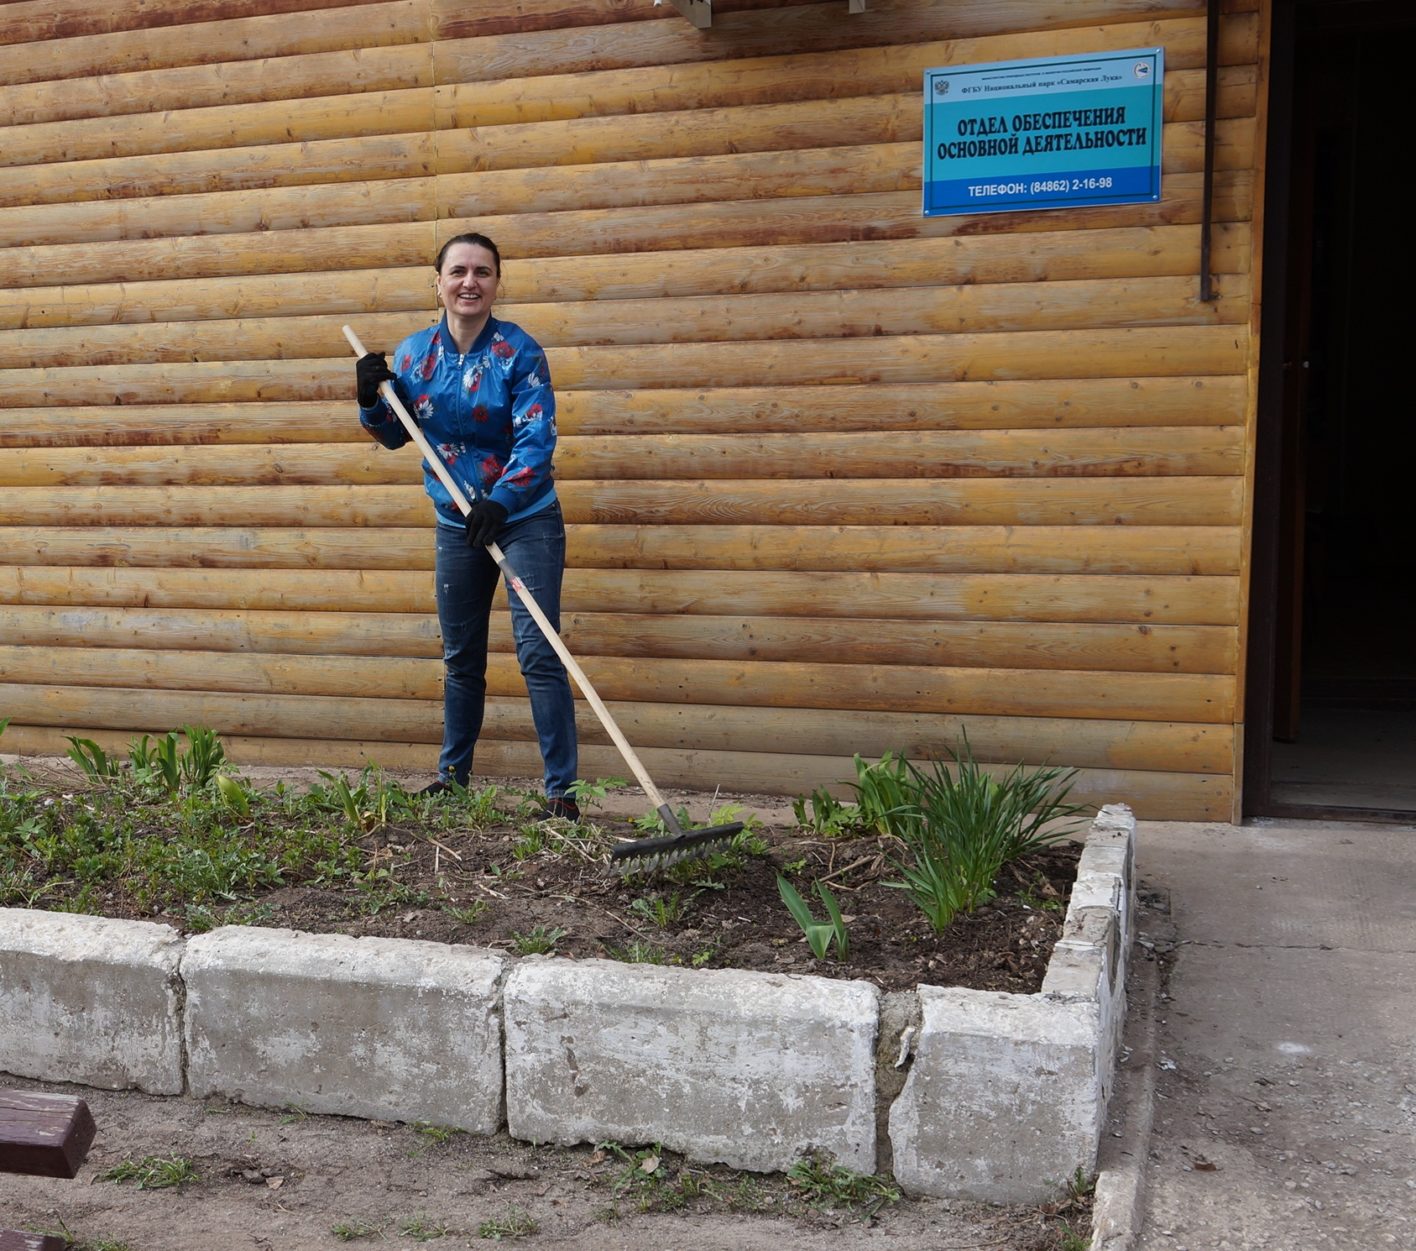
840 479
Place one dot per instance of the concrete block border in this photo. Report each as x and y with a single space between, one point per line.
962 1094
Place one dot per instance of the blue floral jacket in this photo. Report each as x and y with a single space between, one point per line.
490 413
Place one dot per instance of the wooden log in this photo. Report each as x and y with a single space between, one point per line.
1098 549
158 425
986 645
302 590
1126 354
204 382
1192 450
1188 697
1190 501
1203 551
364 25
1169 747
221 126
353 204
922 597
234 547
803 30
1155 796
793 221
327 505
929 597
25 21
392 68
267 165
697 320
1138 252
933 597
928 454
1109 353
1084 403
250 465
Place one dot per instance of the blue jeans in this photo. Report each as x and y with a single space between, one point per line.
466 583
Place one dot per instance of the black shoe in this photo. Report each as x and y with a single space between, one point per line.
559 808
441 787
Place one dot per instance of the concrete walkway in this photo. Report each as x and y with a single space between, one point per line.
1269 1097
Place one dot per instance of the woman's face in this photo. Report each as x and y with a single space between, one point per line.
467 283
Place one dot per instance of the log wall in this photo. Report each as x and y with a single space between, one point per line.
839 478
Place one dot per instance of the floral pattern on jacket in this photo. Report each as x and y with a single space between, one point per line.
490 413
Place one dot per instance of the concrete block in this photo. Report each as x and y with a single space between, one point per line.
89 1000
1003 1102
391 1029
749 1069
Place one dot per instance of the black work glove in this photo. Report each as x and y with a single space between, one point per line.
370 370
484 522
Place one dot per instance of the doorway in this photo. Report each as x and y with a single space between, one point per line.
1331 729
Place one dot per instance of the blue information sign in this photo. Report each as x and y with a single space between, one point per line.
1053 133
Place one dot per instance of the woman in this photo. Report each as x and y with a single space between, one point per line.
481 391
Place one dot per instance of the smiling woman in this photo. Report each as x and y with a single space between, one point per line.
481 390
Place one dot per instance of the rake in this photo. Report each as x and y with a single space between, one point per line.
629 856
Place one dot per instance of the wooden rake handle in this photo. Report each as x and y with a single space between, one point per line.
514 582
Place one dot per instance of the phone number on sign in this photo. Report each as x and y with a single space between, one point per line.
1041 185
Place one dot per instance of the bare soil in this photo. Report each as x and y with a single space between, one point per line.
528 886
282 1181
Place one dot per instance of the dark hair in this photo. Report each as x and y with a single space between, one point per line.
480 241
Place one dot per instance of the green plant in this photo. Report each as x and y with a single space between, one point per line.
824 814
421 1230
823 1184
370 804
961 826
588 794
539 941
347 1231
203 759
438 1134
637 952
153 1172
515 1224
644 1178
469 914
96 764
884 794
1040 895
234 795
663 911
165 764
819 934
1080 1187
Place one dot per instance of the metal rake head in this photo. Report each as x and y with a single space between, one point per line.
646 855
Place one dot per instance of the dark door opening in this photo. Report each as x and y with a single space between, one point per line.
1332 706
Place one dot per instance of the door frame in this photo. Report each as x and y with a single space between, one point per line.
1277 438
